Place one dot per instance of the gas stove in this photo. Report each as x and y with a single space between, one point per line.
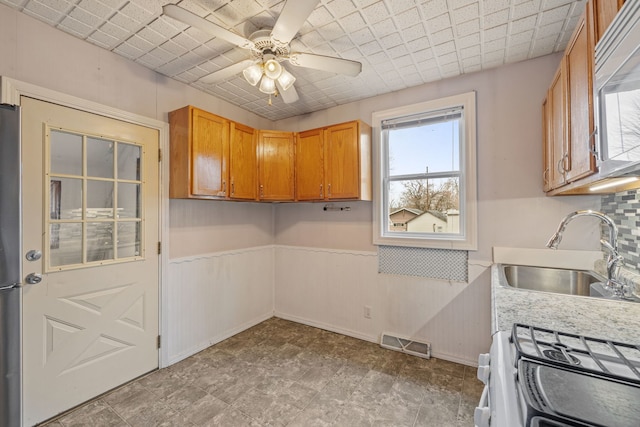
538 377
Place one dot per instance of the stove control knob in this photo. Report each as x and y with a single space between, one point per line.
483 373
481 417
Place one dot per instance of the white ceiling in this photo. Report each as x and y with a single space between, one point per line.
401 43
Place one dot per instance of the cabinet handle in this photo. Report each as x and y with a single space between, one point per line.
224 187
233 188
321 191
261 191
329 190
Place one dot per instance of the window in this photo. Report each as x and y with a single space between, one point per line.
425 173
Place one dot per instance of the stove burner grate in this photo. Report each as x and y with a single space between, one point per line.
561 356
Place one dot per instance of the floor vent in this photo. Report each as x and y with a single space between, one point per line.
415 348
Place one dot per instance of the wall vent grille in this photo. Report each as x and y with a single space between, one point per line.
404 345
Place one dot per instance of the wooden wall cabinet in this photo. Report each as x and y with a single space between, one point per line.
568 119
333 163
243 162
276 176
199 151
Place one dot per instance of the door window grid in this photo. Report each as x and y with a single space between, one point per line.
96 234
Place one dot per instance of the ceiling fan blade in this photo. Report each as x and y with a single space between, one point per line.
326 63
289 96
291 19
227 72
190 18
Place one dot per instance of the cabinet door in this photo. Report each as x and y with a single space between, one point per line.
342 161
603 11
209 153
310 165
276 165
555 104
243 162
579 71
547 148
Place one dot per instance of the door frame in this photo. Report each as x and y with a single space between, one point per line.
10 92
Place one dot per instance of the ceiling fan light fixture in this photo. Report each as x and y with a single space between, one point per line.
272 69
267 85
286 79
252 74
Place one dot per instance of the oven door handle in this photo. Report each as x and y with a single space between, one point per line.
482 413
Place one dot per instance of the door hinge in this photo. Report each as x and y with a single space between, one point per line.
158 341
159 248
159 154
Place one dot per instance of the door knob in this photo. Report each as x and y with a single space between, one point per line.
33 255
33 278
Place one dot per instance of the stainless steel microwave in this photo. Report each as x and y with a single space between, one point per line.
617 94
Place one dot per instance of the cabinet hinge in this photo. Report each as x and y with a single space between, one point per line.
158 340
159 154
159 248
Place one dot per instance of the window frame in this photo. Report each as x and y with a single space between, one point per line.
467 239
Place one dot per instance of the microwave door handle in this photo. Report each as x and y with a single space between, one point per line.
593 148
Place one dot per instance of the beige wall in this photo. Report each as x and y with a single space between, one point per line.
513 210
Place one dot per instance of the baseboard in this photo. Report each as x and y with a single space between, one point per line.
218 338
327 327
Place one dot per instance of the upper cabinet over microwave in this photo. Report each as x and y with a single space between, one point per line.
617 94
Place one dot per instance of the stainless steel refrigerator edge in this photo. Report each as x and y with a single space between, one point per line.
10 267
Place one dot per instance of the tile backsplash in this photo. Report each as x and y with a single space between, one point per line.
624 208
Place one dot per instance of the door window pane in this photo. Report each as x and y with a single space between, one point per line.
68 196
129 239
99 241
129 200
99 199
128 161
65 244
99 158
66 153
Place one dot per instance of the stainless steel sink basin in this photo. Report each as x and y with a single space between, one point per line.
555 280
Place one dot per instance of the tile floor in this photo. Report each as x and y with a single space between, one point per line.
281 373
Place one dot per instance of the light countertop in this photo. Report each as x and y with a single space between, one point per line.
592 317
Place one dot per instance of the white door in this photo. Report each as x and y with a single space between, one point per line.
90 206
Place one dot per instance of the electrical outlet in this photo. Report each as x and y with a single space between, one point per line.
367 312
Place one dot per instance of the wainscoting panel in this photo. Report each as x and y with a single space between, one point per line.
215 296
331 289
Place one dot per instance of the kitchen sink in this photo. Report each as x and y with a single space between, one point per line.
555 280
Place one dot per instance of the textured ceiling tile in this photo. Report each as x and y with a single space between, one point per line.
383 28
418 44
527 8
444 48
185 41
87 18
362 36
554 28
103 40
115 31
494 19
466 13
150 61
397 51
95 8
371 48
524 24
469 40
550 4
520 38
414 32
41 11
172 50
434 8
468 27
391 40
495 33
162 26
129 51
490 6
353 21
408 18
448 58
75 27
558 14
340 8
312 39
125 22
331 31
423 55
493 45
439 23
471 61
138 14
140 43
442 36
471 51
375 12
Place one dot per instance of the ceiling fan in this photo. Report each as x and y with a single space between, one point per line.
268 48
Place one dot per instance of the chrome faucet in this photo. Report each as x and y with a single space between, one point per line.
614 259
